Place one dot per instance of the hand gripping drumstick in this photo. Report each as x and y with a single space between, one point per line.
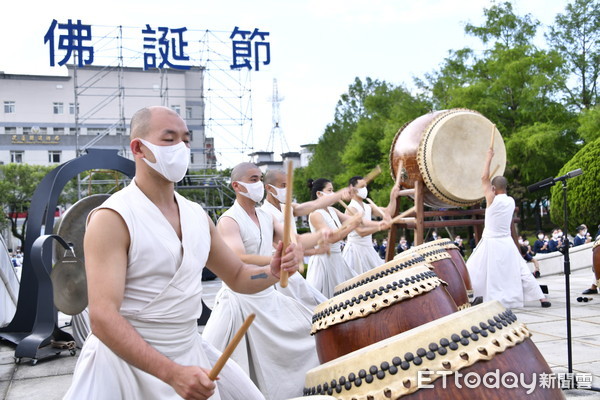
214 372
287 218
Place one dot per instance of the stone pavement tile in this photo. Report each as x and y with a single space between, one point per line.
543 337
555 352
558 310
62 365
559 328
46 388
4 388
594 320
7 357
6 372
528 317
592 339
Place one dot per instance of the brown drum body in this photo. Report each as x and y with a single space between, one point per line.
458 260
444 267
379 310
596 261
446 150
478 340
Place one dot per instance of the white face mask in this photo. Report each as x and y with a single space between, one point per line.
256 190
363 192
280 193
171 161
541 237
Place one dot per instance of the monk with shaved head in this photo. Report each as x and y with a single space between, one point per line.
496 267
145 249
283 322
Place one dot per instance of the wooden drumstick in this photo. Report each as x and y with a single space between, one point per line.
401 216
399 173
378 209
372 175
493 136
214 372
350 211
287 218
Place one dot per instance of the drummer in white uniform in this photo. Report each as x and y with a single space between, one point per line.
496 267
277 349
327 270
145 248
359 252
275 187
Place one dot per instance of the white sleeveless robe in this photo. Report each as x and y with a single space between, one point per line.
278 349
162 301
359 253
326 271
496 267
298 287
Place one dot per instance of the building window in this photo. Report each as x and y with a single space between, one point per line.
10 130
16 156
9 107
54 157
58 108
188 113
26 130
177 109
72 108
58 131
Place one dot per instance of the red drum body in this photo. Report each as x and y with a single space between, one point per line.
485 339
378 310
446 150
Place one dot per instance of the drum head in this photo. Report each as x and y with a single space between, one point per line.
452 155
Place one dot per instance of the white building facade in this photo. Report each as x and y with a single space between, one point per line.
48 120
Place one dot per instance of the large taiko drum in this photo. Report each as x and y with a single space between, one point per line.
440 259
458 260
459 349
447 150
596 261
378 310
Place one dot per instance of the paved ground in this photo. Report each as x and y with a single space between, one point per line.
50 379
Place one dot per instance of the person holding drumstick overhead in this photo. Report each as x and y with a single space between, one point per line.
145 249
327 269
359 253
497 270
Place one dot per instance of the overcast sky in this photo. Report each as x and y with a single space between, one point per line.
318 47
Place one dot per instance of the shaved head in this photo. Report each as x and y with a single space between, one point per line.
500 183
140 122
241 170
273 177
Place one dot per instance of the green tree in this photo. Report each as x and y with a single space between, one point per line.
589 124
583 191
17 186
576 36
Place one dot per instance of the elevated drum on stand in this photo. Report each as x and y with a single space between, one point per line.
473 342
446 150
379 309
